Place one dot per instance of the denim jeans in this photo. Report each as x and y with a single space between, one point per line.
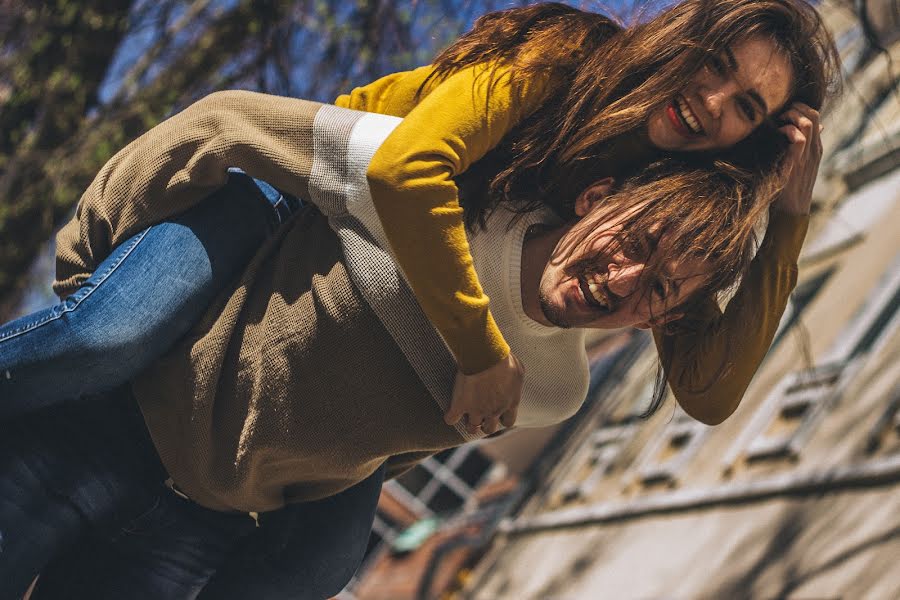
144 296
83 503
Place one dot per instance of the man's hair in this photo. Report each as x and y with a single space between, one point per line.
703 209
610 79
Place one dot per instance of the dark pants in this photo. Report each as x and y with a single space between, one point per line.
82 502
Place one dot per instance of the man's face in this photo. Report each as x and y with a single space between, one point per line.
727 99
618 289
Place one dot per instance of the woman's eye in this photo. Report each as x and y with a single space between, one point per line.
659 288
717 64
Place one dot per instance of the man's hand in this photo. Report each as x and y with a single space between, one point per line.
802 161
488 398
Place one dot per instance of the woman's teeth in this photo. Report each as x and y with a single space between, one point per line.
687 116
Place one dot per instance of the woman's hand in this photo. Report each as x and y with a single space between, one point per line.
802 161
488 398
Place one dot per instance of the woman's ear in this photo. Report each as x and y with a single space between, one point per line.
595 192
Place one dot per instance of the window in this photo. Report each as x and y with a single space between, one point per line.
665 457
441 483
794 408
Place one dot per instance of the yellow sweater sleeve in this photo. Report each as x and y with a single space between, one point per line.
411 180
709 370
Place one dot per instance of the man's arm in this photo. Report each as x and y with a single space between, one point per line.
178 163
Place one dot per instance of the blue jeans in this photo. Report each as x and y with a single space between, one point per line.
81 494
142 298
82 502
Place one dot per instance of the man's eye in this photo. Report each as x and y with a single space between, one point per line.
747 109
632 247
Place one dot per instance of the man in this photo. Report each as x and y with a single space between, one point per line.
319 367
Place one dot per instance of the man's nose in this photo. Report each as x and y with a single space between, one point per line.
622 279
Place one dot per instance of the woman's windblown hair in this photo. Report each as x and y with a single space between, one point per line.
609 79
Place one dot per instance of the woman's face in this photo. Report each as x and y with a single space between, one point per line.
726 99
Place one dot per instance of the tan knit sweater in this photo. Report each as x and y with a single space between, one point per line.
291 388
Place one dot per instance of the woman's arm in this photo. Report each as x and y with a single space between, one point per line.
411 180
709 370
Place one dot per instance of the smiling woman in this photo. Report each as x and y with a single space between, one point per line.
726 99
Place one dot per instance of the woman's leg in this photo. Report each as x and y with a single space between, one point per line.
140 300
306 551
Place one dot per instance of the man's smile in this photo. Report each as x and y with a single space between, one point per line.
594 294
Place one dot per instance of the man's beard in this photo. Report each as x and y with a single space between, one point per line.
552 313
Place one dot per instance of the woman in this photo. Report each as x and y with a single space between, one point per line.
544 123
624 106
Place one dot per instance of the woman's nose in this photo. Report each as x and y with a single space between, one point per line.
714 98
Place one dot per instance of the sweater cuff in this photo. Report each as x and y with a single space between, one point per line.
481 347
786 232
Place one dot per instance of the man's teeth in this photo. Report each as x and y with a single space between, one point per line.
598 294
688 116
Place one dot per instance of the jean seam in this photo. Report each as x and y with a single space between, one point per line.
103 277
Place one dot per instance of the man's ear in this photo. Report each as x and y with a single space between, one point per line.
659 321
591 195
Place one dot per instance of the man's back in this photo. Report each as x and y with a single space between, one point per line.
291 378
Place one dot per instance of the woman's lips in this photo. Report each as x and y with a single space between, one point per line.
672 111
679 127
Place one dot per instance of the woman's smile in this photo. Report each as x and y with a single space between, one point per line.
683 119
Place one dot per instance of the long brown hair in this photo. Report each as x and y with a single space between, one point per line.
679 209
706 209
610 79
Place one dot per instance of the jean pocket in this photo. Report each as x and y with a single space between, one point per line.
155 519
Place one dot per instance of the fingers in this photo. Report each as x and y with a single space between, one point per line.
490 425
487 398
473 424
802 126
451 417
508 419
